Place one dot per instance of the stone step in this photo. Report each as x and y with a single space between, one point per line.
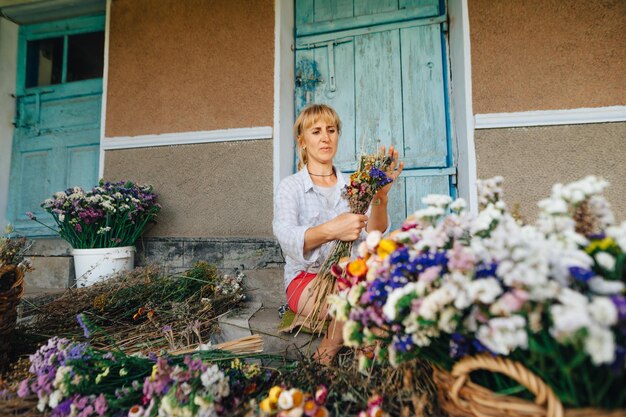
254 318
265 285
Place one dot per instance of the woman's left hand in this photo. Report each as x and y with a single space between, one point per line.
394 171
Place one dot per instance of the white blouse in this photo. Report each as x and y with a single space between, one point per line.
298 206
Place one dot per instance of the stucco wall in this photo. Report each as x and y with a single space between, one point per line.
214 189
532 159
192 65
8 71
547 54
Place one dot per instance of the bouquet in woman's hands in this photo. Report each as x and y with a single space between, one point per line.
365 182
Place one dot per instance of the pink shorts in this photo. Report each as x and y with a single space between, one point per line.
296 287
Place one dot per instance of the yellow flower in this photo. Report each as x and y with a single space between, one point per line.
274 394
385 247
603 244
155 369
357 268
267 406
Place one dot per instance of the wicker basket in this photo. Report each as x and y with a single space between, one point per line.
458 396
11 298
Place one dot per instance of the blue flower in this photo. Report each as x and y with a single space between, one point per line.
486 270
581 274
399 255
403 343
379 176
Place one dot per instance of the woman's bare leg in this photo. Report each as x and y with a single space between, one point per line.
333 339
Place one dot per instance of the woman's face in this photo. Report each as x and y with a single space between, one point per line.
320 141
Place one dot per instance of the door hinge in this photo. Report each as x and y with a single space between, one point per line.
454 177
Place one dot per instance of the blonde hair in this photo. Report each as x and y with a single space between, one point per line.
307 118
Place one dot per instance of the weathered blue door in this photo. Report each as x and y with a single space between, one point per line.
382 65
57 118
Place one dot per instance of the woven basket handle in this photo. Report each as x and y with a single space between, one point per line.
544 396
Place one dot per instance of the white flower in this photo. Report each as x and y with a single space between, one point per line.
437 300
458 205
504 334
447 320
568 319
600 345
484 290
553 206
285 400
350 328
372 240
135 411
429 212
41 404
437 200
355 293
413 289
618 233
605 260
362 249
602 286
603 311
55 398
338 307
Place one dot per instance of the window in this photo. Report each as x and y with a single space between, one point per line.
64 59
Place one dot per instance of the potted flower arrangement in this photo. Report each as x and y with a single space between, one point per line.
102 225
12 267
542 304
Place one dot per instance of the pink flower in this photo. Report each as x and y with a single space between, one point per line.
461 258
430 274
321 394
101 405
23 389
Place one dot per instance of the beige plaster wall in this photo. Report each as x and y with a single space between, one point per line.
532 159
207 190
192 65
547 54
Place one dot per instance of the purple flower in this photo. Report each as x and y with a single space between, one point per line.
64 408
31 215
82 324
620 305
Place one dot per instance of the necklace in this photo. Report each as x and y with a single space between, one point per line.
322 175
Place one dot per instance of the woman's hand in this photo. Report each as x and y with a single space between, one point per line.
347 226
393 172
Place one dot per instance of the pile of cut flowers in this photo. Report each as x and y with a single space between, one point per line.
449 284
74 379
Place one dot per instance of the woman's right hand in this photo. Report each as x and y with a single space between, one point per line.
347 226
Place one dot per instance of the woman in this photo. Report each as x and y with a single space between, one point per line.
309 213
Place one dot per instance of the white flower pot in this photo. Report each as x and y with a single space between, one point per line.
95 265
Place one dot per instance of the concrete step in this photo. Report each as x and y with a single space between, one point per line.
254 318
265 285
265 322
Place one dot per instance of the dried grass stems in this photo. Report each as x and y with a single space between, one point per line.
407 391
142 310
